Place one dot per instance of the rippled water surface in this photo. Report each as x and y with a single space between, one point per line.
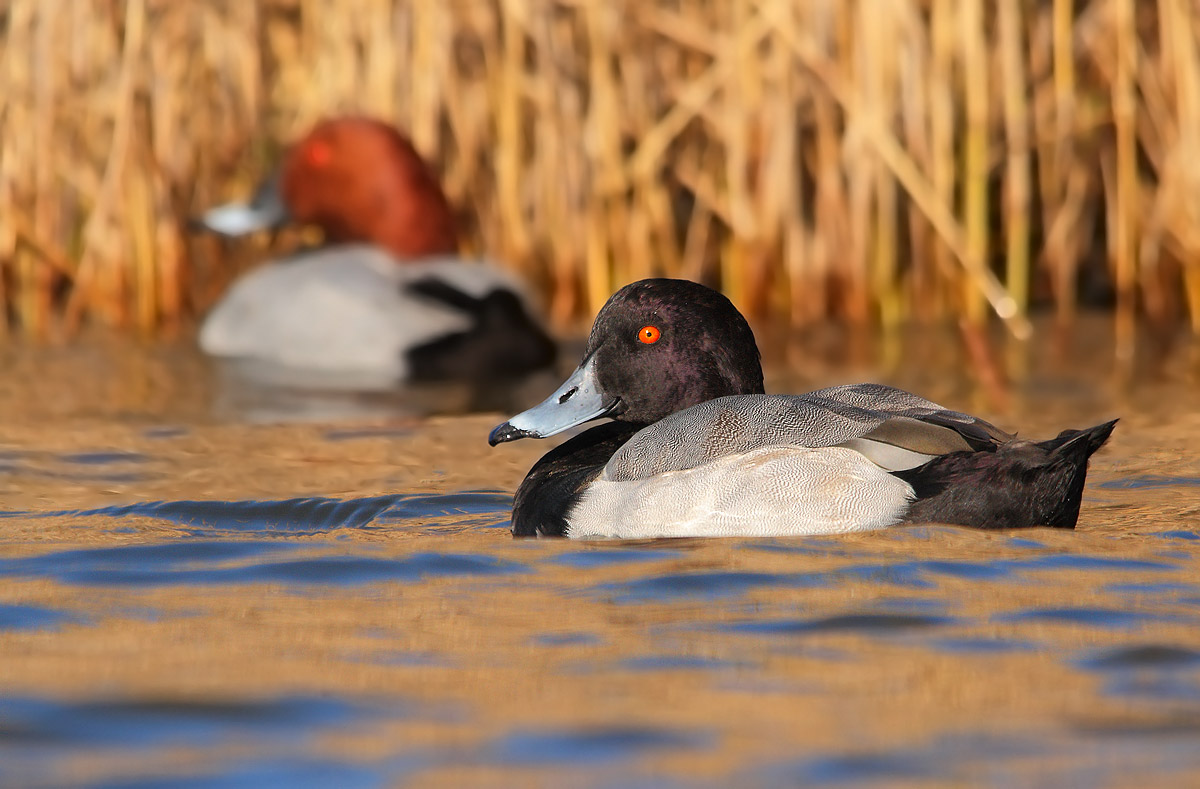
214 587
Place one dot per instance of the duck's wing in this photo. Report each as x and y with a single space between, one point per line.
894 429
880 398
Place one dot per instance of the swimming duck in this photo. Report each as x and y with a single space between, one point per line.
387 299
696 448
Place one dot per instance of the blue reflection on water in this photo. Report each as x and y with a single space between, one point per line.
33 722
1165 672
1142 481
1141 656
33 617
37 731
212 563
282 773
680 662
104 458
591 746
301 516
865 622
1109 618
1087 755
614 555
921 574
1177 534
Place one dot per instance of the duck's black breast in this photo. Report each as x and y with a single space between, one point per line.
555 483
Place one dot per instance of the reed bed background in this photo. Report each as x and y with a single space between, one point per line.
865 160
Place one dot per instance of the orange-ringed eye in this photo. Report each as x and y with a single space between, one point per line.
649 334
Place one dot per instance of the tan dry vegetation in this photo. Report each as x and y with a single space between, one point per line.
869 160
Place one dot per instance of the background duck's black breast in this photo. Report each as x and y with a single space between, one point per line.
502 340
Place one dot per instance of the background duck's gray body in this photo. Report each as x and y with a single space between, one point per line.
774 465
343 310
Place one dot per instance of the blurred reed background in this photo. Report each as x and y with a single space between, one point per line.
866 160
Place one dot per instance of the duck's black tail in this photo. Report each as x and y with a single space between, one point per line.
1020 484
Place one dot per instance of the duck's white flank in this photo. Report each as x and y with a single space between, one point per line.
771 491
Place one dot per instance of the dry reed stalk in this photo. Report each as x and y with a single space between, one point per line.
559 129
510 134
852 264
430 42
832 244
830 222
981 281
878 33
782 205
1124 196
1178 30
921 288
1016 124
943 167
738 102
975 160
1063 181
852 75
603 143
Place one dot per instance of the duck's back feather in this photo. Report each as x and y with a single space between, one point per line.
893 428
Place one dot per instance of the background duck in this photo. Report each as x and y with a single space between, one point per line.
387 299
697 449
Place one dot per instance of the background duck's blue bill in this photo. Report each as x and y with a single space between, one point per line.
265 211
578 400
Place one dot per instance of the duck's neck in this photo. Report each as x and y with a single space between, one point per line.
410 232
410 217
420 234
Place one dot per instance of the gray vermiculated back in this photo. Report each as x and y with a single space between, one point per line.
740 423
897 402
886 399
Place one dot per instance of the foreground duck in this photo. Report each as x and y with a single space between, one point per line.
388 298
697 449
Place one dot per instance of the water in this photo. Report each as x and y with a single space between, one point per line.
200 595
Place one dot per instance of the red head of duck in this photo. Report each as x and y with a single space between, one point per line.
359 180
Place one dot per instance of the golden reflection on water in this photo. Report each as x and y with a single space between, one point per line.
427 647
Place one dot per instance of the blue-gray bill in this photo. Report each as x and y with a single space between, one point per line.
579 399
265 211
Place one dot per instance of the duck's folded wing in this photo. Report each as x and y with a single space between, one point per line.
888 399
892 428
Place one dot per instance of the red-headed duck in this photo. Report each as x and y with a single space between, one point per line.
387 299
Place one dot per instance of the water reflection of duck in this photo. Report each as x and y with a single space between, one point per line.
697 449
388 298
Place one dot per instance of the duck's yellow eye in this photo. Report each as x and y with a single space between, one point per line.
649 334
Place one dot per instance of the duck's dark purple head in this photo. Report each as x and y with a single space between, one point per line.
657 346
